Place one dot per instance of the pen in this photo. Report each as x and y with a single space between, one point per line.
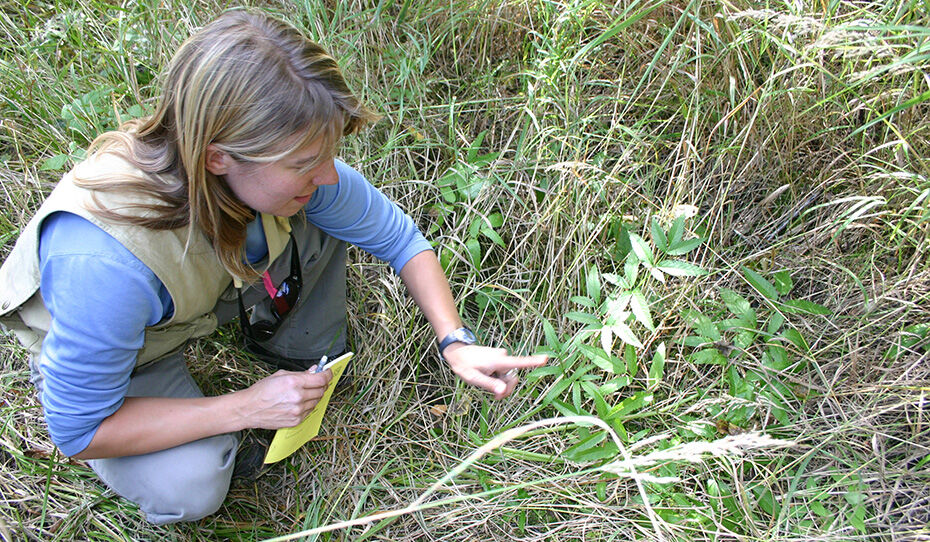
324 364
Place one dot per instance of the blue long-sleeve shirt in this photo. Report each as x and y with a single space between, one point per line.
101 298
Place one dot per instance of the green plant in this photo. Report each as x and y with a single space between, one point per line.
758 348
590 370
462 183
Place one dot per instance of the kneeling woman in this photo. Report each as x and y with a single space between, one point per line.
229 196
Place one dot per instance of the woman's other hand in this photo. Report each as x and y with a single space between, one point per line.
489 368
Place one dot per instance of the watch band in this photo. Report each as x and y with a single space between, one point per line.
460 335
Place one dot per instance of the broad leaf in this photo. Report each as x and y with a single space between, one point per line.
783 282
584 301
626 334
683 247
804 306
474 252
583 317
640 308
708 356
703 325
593 284
760 283
739 306
676 231
493 236
552 339
598 357
678 268
641 249
657 368
658 236
631 269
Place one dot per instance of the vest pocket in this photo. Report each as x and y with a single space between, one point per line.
160 341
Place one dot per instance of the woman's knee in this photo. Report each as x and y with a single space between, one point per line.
184 483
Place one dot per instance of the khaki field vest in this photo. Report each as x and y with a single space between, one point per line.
185 264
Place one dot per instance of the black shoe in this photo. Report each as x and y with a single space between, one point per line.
250 457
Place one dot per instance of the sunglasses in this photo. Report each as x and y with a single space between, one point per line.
283 299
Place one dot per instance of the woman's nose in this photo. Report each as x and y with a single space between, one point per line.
326 174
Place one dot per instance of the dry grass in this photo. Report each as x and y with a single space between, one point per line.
799 133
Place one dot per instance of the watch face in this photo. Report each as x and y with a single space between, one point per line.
465 335
461 335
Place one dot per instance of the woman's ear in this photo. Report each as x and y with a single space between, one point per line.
217 161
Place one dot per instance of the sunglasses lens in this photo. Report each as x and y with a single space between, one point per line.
286 297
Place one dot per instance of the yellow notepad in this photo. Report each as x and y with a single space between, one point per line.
287 440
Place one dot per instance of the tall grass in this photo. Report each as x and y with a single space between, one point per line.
540 144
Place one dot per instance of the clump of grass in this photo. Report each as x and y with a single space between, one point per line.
540 143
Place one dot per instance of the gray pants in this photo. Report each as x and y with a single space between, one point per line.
190 481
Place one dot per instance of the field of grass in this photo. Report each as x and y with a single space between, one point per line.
713 214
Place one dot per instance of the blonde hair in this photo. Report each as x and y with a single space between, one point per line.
246 83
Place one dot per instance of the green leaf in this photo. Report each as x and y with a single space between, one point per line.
632 365
783 282
856 518
819 509
600 405
445 259
475 227
593 284
626 334
598 357
474 252
568 410
676 231
55 163
600 489
708 356
775 323
584 301
632 404
616 307
631 269
803 306
683 247
584 318
657 368
794 337
614 384
654 271
556 390
493 236
589 448
658 236
678 268
700 323
540 372
640 308
469 183
446 184
607 339
760 283
777 357
641 249
552 339
495 220
739 306
472 152
766 500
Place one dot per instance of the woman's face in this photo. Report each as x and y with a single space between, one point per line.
279 188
